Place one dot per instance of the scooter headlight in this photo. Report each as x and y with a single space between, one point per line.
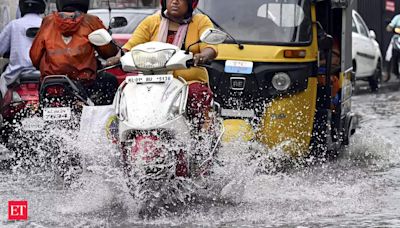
281 81
151 60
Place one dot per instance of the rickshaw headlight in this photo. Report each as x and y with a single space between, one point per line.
281 81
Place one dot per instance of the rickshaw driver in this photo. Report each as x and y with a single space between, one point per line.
335 69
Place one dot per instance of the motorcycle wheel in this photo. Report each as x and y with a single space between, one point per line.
156 185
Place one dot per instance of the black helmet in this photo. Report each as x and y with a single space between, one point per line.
73 5
32 6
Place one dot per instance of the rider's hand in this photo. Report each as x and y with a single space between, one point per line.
113 61
200 59
206 55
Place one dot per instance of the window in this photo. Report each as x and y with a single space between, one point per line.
263 21
354 26
361 26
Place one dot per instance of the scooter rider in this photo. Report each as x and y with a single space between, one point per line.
15 42
176 24
394 62
61 47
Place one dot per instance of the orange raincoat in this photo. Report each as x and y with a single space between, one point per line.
61 47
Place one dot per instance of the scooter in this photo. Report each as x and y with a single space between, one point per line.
394 45
162 158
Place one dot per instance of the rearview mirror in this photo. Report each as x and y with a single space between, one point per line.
100 37
372 34
31 32
213 36
118 22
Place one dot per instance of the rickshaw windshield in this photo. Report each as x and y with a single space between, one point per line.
262 21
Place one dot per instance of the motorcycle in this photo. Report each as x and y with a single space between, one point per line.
162 155
35 145
61 101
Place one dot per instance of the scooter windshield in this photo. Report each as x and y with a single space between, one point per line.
262 21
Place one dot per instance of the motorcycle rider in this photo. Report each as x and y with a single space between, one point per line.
176 24
17 44
394 61
61 47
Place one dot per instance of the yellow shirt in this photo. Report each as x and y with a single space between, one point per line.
148 29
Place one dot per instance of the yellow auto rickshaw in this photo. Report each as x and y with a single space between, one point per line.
284 77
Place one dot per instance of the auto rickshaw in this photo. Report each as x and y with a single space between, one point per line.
275 79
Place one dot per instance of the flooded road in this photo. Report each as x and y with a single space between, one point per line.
359 189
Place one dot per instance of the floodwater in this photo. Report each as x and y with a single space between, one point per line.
361 188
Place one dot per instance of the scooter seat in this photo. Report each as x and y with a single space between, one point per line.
30 77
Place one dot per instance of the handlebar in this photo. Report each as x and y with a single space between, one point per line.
109 67
190 63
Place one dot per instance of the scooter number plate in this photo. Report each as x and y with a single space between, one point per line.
238 67
149 79
51 114
32 124
238 113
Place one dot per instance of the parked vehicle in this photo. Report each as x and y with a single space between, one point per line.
122 22
154 135
134 16
367 57
267 80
